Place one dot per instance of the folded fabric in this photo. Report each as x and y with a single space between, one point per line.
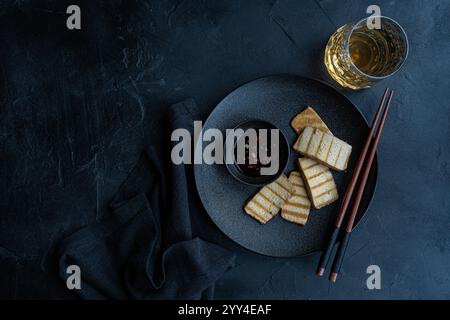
145 248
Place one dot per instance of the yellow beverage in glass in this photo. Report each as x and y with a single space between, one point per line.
358 56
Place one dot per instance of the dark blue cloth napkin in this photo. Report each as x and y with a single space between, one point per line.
145 248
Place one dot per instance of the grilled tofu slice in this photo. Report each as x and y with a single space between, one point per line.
270 199
296 208
324 148
319 182
308 118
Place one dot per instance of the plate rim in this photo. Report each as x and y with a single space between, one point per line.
196 167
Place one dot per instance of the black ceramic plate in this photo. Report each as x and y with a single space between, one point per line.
277 99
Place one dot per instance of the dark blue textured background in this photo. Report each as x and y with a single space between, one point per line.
76 107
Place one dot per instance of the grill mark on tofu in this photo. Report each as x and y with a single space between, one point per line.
325 192
314 143
298 205
321 184
303 201
300 195
286 183
255 215
309 142
320 179
328 151
272 202
267 199
327 199
320 142
282 187
311 166
304 139
267 215
306 163
296 214
276 195
344 156
257 203
299 190
338 154
324 145
303 204
297 184
316 174
295 177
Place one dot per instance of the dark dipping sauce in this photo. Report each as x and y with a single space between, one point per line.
252 152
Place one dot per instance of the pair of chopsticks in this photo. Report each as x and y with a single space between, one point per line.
340 253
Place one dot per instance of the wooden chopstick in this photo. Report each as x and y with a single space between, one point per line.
325 257
348 194
339 258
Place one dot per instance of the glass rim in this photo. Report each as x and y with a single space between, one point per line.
347 47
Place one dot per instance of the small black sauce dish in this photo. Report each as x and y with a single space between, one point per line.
251 173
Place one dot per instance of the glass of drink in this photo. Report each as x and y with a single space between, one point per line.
360 54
